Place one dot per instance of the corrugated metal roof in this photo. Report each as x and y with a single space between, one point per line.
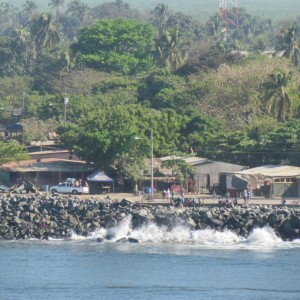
195 160
49 152
47 165
272 171
188 159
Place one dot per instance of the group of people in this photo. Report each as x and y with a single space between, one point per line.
77 182
172 198
227 201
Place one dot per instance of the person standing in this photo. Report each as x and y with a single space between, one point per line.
180 201
164 195
168 194
245 196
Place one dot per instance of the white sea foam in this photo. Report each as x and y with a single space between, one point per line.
263 236
260 238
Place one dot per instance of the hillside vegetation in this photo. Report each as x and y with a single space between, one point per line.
107 77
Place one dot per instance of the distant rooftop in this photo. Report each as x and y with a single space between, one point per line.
272 171
47 164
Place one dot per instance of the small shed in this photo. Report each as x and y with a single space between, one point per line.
269 181
99 182
14 130
207 172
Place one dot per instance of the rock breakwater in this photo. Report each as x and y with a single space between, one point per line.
44 217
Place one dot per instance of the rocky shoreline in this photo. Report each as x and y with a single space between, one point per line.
36 216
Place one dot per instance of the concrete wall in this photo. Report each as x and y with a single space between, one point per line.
208 174
285 190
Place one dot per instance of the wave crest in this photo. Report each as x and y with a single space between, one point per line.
262 238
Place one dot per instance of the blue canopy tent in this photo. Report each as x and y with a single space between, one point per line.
100 182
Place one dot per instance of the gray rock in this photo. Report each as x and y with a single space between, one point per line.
191 223
216 223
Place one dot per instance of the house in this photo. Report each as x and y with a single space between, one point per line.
52 143
207 172
11 131
269 181
62 154
46 171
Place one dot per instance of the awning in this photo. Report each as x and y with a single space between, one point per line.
14 127
239 183
99 176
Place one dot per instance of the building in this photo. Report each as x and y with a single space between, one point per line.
207 172
61 154
269 181
45 172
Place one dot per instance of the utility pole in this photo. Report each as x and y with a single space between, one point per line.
66 100
152 185
23 104
151 157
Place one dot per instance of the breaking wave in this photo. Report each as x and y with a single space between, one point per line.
260 238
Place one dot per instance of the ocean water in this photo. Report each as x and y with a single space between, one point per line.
177 264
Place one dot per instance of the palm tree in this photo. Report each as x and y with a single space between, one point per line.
216 28
276 94
78 9
172 50
160 16
44 32
288 41
24 38
57 5
30 9
7 15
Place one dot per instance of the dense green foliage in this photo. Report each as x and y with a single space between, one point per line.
116 45
11 152
213 89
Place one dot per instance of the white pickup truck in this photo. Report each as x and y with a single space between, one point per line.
69 188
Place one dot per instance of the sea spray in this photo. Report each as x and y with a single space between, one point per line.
22 218
263 236
262 239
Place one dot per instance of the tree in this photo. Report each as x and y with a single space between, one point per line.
70 26
24 38
233 93
181 169
37 130
11 152
276 94
123 46
160 16
106 145
78 9
57 5
172 50
115 10
45 32
8 57
288 41
160 88
30 9
7 16
106 135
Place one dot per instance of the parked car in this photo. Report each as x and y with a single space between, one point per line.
69 188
